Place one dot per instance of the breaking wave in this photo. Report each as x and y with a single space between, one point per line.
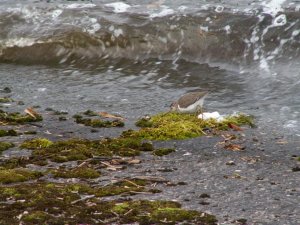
88 33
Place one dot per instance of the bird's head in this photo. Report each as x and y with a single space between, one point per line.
174 106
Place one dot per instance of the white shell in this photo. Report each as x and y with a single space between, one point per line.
213 115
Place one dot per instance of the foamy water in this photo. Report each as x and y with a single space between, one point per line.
247 54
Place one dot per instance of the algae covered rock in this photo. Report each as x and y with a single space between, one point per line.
44 201
36 143
97 122
17 118
168 126
82 149
17 175
8 133
5 145
163 151
5 100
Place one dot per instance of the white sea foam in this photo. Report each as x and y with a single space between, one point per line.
280 20
182 8
164 11
42 89
118 7
219 9
94 26
273 7
291 124
80 5
56 13
227 28
20 42
118 32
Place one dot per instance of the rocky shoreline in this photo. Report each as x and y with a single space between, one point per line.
58 168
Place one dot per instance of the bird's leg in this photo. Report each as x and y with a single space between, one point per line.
199 111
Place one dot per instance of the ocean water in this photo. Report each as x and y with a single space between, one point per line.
135 57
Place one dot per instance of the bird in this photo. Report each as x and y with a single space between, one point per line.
191 102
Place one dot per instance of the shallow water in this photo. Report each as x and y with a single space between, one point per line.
136 58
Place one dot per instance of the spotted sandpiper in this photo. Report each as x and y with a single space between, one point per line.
191 102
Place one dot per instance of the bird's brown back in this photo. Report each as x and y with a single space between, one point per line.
190 98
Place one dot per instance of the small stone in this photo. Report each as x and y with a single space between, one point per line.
204 195
94 131
62 118
255 139
204 203
6 90
296 169
165 170
230 163
20 103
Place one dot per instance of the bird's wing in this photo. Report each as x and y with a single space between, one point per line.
190 98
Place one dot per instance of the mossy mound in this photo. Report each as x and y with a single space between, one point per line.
81 172
160 212
97 123
17 118
163 151
5 100
5 145
8 133
82 149
90 113
50 203
167 126
17 175
36 143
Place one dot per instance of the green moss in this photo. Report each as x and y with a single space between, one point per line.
17 175
16 162
37 143
122 187
90 113
163 151
8 133
299 158
238 119
166 126
5 145
144 122
81 149
17 118
81 172
99 123
52 203
60 113
36 217
5 100
121 208
173 214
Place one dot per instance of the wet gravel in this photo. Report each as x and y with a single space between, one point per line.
257 185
